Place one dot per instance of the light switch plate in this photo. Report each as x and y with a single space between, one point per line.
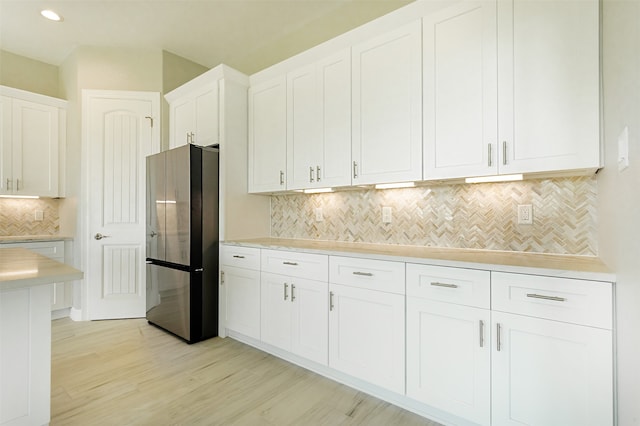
386 215
39 216
318 213
623 149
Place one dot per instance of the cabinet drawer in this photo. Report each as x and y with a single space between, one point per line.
240 257
370 274
562 299
294 264
51 249
454 285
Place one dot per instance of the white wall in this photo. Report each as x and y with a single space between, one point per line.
619 192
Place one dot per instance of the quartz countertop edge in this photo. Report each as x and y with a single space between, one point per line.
32 238
557 265
21 268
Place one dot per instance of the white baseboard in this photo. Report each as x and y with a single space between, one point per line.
60 313
76 314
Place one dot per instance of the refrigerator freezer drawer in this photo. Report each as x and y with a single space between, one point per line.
168 299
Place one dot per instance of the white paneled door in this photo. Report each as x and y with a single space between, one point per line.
118 133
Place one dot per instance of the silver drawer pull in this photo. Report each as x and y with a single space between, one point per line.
542 296
481 325
238 257
363 274
437 284
290 263
286 295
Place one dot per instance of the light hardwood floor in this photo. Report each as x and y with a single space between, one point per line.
126 372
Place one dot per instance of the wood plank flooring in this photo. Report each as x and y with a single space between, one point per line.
126 372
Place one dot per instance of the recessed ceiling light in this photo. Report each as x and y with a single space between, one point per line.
51 15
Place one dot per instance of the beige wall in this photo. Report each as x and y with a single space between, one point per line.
619 193
28 74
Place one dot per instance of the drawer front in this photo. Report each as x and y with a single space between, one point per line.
381 275
51 249
562 299
240 257
294 264
454 285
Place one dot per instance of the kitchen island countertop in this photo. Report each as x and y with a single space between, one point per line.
21 268
569 266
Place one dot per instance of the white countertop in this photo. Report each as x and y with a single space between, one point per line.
32 238
569 266
21 268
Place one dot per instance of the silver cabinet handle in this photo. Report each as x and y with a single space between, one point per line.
504 153
498 339
286 295
330 301
542 296
311 179
481 325
363 274
293 296
437 284
490 155
281 177
237 256
188 137
153 234
221 277
318 173
355 170
99 236
17 184
290 263
9 183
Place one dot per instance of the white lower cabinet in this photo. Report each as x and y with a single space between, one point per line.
294 315
550 373
449 358
242 296
366 335
448 340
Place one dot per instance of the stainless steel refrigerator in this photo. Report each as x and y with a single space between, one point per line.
182 241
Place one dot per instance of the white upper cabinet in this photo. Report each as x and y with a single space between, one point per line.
194 118
548 94
33 129
268 136
387 107
460 91
319 124
523 101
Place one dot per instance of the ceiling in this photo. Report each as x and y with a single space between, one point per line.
248 35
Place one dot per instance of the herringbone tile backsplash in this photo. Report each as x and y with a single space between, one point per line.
478 216
17 217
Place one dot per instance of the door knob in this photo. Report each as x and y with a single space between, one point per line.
153 234
99 236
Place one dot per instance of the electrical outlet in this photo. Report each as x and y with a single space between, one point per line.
39 216
318 213
386 215
525 214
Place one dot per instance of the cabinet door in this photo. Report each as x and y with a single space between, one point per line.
460 91
5 145
304 124
35 148
548 63
206 122
449 358
275 314
550 373
319 124
182 119
268 136
310 319
366 335
242 300
387 107
334 153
